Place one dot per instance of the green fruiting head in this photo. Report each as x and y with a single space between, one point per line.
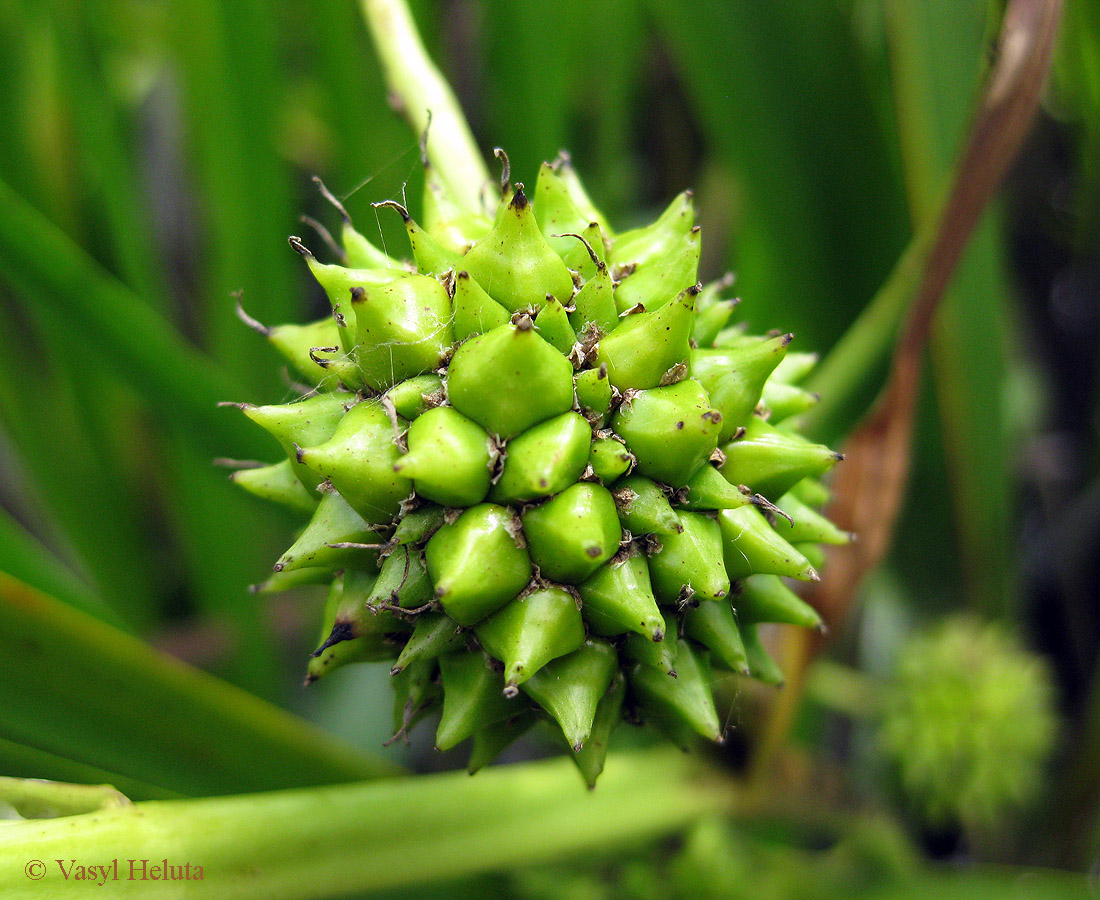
544 472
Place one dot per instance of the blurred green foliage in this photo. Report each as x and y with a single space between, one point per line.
156 155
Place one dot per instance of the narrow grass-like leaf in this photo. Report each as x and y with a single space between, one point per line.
77 688
133 339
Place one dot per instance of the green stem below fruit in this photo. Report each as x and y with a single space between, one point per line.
348 839
423 97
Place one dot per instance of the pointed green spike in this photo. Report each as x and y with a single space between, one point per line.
734 378
414 396
338 283
708 322
297 344
655 282
509 379
446 219
473 697
475 311
418 525
734 336
685 700
449 458
794 368
477 564
430 256
358 459
552 324
573 534
656 239
785 400
752 546
494 739
415 693
646 345
556 212
334 522
371 647
590 758
402 329
277 483
544 460
815 553
514 263
361 253
658 654
765 598
293 578
713 625
353 634
690 564
644 508
402 581
594 394
620 591
707 489
587 256
530 631
811 492
771 462
433 635
594 304
610 459
352 615
808 525
563 166
672 431
761 665
570 688
339 366
306 423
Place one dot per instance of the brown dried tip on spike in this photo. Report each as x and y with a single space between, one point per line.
224 462
298 451
331 198
601 372
325 236
524 323
587 246
839 457
506 168
695 229
519 201
811 573
510 691
254 324
355 545
787 338
224 403
393 204
323 363
357 294
299 247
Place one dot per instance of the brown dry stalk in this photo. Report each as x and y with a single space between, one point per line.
870 484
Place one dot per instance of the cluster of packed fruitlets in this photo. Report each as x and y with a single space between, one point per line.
546 477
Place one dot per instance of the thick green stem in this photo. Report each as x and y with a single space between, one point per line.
334 841
421 94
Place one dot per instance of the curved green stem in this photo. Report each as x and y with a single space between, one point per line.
421 94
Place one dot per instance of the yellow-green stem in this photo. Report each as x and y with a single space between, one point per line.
421 94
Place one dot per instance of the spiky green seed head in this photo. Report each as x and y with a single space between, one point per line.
967 724
536 460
